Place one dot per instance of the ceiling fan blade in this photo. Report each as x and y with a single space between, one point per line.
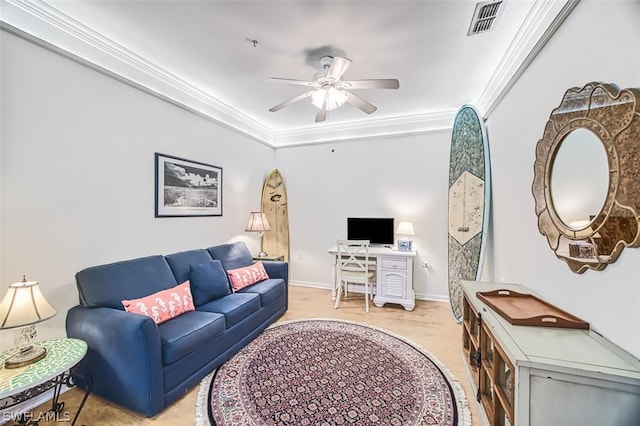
383 83
291 101
360 103
338 67
321 115
290 81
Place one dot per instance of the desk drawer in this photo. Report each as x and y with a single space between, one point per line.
393 263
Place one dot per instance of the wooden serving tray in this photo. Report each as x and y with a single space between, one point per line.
527 309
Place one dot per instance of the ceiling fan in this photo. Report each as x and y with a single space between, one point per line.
329 91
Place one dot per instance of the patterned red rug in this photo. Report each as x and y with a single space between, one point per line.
327 372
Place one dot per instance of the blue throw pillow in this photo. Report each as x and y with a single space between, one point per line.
209 282
232 255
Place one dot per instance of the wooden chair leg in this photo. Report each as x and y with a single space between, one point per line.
338 293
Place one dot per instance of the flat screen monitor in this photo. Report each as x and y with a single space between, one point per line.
375 229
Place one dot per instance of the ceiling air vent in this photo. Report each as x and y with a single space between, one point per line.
484 17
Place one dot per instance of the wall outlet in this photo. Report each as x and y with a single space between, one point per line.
425 263
300 254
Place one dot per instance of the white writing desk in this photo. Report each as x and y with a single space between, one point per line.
393 278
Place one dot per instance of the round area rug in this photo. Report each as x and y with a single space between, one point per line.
328 372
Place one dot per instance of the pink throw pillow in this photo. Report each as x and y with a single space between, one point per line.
248 275
163 305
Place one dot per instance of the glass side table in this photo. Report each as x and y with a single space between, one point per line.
56 369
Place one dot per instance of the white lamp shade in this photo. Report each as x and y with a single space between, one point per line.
579 224
24 304
257 222
405 228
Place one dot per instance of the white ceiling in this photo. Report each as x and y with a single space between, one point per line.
197 54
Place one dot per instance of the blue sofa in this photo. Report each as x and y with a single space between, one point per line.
144 366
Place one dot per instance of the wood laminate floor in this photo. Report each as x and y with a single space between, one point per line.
430 325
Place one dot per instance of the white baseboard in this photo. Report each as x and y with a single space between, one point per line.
310 284
433 298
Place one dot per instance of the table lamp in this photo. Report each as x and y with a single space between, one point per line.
405 229
21 308
258 223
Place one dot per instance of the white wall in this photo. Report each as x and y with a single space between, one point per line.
599 41
406 177
400 177
77 172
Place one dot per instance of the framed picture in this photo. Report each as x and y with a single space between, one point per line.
187 188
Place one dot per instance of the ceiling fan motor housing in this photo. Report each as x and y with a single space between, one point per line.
326 61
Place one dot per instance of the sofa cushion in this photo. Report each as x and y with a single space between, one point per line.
163 305
180 262
188 332
269 290
107 285
208 282
248 275
232 255
234 307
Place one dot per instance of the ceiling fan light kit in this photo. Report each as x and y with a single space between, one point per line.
328 98
329 91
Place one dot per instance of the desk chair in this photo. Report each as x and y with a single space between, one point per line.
352 266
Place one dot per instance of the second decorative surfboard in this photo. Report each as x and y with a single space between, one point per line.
274 205
469 199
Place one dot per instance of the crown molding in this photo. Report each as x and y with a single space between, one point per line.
38 22
44 25
538 27
414 124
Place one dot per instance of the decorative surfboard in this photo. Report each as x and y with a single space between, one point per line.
274 205
469 200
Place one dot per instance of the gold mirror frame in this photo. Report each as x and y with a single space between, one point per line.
614 116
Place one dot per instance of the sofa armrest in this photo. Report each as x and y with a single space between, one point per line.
277 269
124 356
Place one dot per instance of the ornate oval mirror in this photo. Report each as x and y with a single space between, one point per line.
587 176
578 200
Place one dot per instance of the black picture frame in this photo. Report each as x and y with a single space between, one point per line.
185 188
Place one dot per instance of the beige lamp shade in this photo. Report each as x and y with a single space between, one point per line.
257 222
24 304
405 228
